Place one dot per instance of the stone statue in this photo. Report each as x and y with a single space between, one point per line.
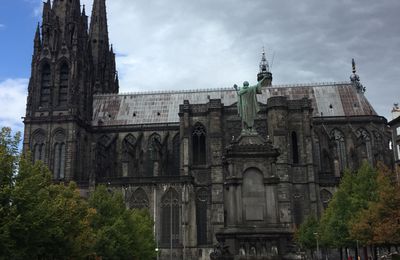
247 104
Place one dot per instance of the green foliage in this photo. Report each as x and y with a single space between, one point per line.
305 236
120 233
356 190
41 220
144 232
379 224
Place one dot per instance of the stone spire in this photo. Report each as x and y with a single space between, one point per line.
264 71
98 32
355 79
103 56
37 45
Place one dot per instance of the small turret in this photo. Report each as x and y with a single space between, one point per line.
264 71
355 79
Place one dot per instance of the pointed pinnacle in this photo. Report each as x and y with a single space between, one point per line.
353 63
38 29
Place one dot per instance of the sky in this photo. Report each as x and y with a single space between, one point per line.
181 44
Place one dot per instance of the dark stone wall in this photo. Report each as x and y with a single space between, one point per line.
98 155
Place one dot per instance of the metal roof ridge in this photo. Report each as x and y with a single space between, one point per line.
183 91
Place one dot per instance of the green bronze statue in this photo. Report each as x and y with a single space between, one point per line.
247 104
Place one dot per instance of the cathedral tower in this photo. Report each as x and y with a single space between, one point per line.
66 65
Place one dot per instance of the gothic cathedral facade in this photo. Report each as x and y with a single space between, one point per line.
180 154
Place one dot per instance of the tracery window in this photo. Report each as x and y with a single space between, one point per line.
59 159
295 148
63 90
153 149
201 215
59 155
129 160
199 144
105 156
45 86
364 143
139 199
38 146
337 137
170 219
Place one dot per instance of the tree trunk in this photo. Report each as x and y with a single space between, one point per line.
341 253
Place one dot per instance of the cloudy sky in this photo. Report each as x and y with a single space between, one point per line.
182 44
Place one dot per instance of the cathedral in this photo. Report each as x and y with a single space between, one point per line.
182 154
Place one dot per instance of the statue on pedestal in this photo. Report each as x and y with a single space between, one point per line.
247 104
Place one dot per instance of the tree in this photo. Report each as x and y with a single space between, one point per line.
379 224
305 236
120 233
355 191
42 220
39 219
8 167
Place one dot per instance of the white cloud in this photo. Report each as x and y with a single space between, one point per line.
181 44
13 94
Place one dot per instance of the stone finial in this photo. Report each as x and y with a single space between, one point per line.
355 79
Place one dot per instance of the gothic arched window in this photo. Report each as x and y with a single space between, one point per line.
59 155
45 86
340 148
295 148
201 215
170 219
63 84
38 145
153 149
139 199
129 160
199 144
364 143
105 156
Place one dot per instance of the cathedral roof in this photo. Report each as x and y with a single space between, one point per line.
328 99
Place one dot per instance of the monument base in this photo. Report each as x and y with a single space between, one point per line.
258 224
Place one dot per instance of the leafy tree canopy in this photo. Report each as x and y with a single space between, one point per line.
355 192
42 220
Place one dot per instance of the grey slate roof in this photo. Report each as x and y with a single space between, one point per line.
328 99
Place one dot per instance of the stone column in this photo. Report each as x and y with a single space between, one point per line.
215 147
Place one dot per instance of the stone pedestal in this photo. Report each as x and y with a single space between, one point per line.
255 226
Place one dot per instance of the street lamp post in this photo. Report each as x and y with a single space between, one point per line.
316 237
